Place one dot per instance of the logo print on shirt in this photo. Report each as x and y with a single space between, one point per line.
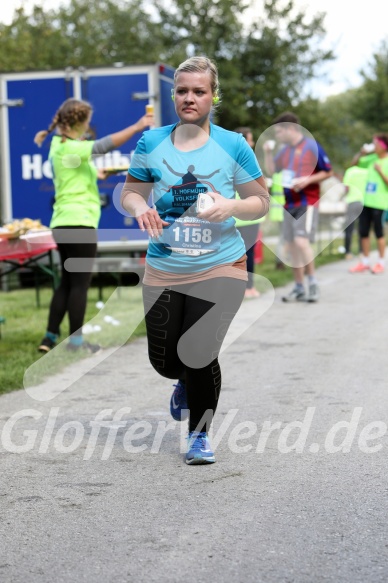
186 192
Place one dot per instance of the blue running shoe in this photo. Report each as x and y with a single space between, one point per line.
198 449
178 403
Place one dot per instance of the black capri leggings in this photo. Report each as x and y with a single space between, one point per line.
368 217
71 294
249 233
185 333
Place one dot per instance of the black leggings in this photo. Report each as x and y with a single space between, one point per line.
193 357
249 233
352 213
371 216
71 294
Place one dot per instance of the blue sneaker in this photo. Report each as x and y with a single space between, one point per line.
198 449
178 403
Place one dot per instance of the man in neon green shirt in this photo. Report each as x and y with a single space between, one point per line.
354 181
249 230
276 214
375 203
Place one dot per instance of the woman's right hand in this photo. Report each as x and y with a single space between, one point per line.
148 120
151 222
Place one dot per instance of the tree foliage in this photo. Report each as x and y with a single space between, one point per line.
346 121
81 33
277 58
371 103
332 123
263 65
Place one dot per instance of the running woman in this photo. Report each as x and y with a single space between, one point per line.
196 262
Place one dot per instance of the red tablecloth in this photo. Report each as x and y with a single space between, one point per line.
23 249
28 251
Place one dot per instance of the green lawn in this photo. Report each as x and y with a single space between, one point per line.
25 322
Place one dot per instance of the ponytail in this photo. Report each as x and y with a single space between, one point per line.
40 137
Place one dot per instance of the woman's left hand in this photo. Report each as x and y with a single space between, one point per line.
101 174
222 209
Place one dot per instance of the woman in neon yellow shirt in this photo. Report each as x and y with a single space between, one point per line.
77 211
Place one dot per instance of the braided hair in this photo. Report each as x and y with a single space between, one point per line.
71 113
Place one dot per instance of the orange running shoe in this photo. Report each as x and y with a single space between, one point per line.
359 268
378 268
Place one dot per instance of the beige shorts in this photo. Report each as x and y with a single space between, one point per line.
301 221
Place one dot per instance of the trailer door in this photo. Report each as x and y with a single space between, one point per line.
27 177
118 98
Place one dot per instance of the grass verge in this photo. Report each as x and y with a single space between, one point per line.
25 323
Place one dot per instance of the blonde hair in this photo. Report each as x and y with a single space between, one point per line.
200 65
69 114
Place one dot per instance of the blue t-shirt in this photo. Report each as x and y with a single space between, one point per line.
190 244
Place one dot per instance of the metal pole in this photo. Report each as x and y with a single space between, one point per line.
6 103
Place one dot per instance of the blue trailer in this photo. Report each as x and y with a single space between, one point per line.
28 102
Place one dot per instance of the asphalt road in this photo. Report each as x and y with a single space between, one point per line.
299 490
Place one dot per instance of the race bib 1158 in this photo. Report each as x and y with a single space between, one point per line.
192 236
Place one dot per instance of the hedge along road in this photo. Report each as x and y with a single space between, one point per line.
94 485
